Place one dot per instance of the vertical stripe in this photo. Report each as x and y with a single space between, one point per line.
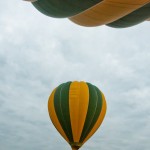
53 116
78 106
100 119
61 103
94 109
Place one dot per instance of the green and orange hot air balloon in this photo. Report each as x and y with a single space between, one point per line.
76 109
114 13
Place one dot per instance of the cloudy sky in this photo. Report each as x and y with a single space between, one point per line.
37 53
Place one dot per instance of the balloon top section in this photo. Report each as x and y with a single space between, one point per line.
76 109
114 13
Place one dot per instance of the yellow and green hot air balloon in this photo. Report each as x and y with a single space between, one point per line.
114 13
76 109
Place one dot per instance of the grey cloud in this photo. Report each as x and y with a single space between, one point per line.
37 53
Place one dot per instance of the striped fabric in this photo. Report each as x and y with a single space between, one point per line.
76 109
114 13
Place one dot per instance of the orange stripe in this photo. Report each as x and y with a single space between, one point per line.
53 116
100 119
107 11
78 106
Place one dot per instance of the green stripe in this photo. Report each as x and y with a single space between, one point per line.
133 18
94 109
61 104
63 8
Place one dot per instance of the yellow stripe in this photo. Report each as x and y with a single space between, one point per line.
53 116
107 11
99 121
78 106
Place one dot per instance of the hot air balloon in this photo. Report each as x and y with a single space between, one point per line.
114 13
76 109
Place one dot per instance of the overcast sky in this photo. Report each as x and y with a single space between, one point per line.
37 53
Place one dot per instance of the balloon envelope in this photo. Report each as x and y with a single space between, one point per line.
114 13
76 109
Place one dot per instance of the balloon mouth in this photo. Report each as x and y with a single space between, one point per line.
75 145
